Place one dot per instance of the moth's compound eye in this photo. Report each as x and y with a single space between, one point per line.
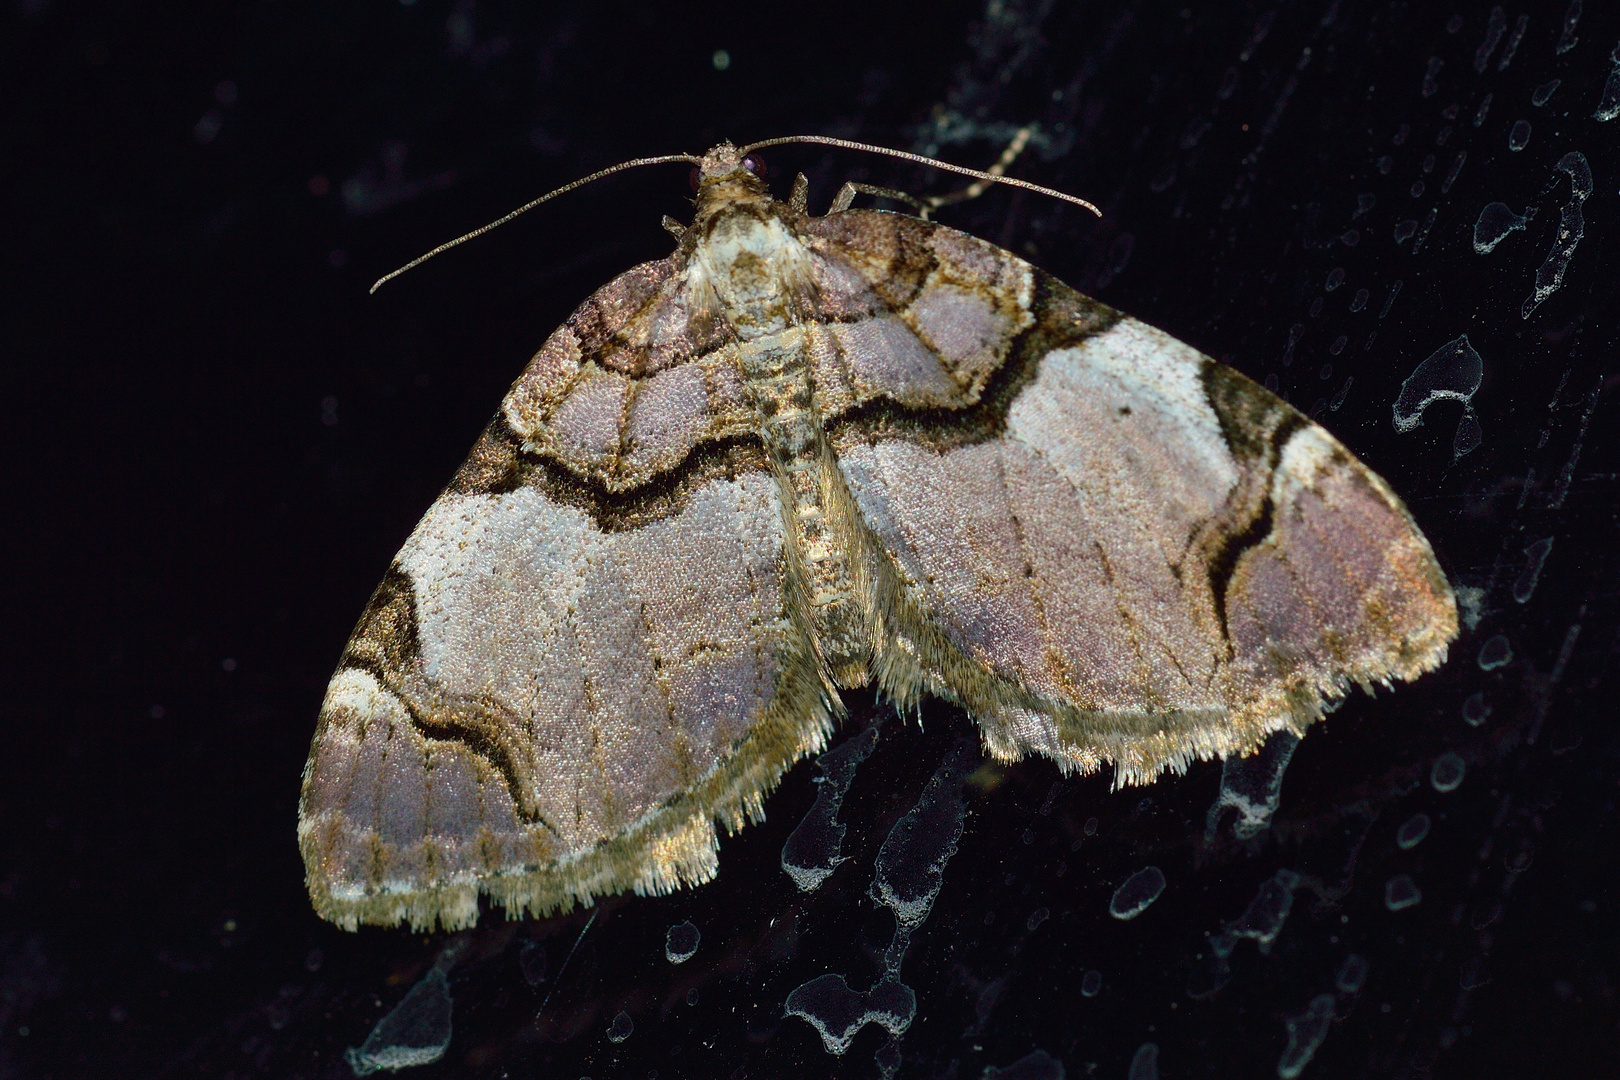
694 177
754 164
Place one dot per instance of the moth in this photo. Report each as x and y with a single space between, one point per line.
804 455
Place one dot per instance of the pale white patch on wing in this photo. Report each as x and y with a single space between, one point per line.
632 659
1135 366
1051 554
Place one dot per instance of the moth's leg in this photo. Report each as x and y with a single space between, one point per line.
1020 141
846 196
673 227
800 198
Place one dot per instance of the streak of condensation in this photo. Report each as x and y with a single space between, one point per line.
1035 1065
414 1032
1513 42
1571 227
1263 919
1609 105
1535 558
812 852
1145 1063
1567 40
1494 29
1253 787
1305 1035
1494 224
1452 372
1137 893
910 871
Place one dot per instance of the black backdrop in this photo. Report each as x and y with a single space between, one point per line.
216 440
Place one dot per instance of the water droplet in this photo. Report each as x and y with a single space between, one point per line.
1263 919
1401 892
1145 1063
1452 372
1451 173
1609 105
1253 787
532 962
1352 974
1567 40
1535 558
1431 77
1571 227
1494 224
812 852
1513 42
838 1013
680 942
1037 1065
1494 29
415 1032
1305 1035
1447 772
1136 893
1495 653
1412 832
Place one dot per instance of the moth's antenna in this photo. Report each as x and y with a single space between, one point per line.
988 177
498 222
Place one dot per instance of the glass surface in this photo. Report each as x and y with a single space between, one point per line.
1397 216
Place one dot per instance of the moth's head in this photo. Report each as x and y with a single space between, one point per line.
728 175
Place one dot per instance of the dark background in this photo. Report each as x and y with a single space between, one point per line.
216 440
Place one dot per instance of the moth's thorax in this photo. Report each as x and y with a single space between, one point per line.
756 266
